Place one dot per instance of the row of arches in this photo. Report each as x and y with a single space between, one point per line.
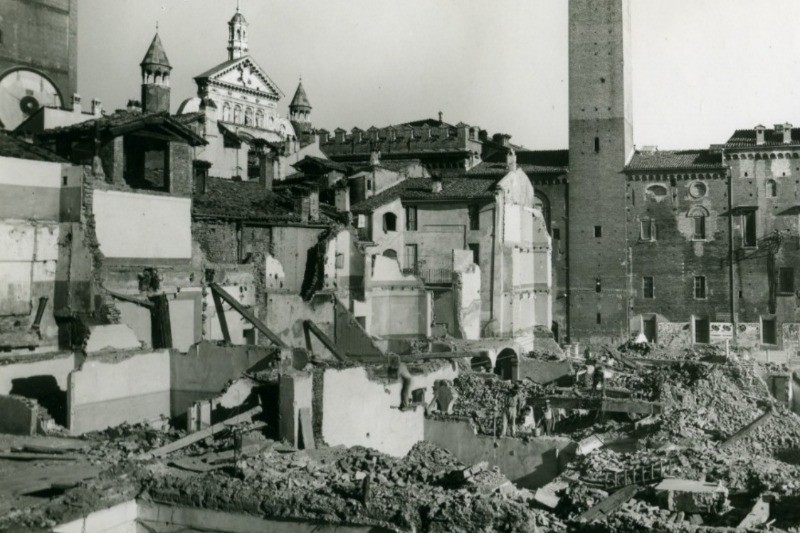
245 115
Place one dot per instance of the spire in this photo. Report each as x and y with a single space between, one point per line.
237 35
156 56
300 108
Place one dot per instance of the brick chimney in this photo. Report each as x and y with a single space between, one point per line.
77 108
134 106
269 169
200 175
462 130
787 133
340 135
357 135
760 134
375 158
97 107
324 136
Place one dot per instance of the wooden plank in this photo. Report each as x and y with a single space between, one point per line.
18 456
747 430
306 431
324 339
250 317
35 480
205 433
223 322
608 506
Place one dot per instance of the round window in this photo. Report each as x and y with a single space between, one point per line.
697 189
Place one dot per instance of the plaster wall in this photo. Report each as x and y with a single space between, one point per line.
30 189
57 365
133 225
358 411
296 392
103 394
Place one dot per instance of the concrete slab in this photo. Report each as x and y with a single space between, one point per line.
18 416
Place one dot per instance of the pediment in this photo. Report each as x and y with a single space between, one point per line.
244 73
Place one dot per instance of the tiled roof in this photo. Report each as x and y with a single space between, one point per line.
243 200
122 121
188 118
321 163
419 189
155 54
747 138
11 146
675 160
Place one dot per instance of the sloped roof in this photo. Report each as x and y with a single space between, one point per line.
747 138
300 99
315 163
155 54
122 122
675 160
11 146
229 64
419 189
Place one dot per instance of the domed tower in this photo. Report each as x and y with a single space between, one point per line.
237 36
155 78
300 113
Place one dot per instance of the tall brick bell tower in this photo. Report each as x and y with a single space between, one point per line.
600 143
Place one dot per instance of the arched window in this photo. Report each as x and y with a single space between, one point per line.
656 192
772 189
248 116
389 222
391 254
238 34
237 114
226 112
699 216
259 119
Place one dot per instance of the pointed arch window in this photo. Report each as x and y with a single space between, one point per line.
699 215
237 114
226 112
772 188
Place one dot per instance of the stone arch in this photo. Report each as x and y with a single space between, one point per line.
248 116
771 188
259 119
390 253
541 202
481 362
237 114
506 365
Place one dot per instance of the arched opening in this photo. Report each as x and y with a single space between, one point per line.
259 119
237 114
391 254
506 364
248 116
226 113
481 363
542 203
772 189
699 216
389 222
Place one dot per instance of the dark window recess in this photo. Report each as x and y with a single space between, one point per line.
410 259
701 330
786 280
599 318
769 331
598 285
700 287
750 228
650 328
476 253
389 222
648 230
699 227
64 181
474 217
598 231
253 165
411 219
597 145
556 233
648 287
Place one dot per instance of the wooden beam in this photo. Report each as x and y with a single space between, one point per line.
223 322
309 325
747 430
610 505
249 316
205 433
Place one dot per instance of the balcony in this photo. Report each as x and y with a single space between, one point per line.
434 276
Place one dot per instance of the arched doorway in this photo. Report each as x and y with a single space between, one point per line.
506 365
481 363
541 202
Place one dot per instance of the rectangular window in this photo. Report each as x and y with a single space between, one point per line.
769 331
749 223
647 231
339 261
597 145
474 217
699 228
786 280
476 253
556 234
648 287
598 231
700 287
411 218
702 331
599 318
410 259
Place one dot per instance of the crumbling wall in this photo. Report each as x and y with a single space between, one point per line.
359 411
54 367
204 370
286 312
350 336
399 305
467 292
133 387
296 392
529 463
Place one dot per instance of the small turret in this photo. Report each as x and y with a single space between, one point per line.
237 36
155 78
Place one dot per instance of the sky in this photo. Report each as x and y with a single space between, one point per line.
701 68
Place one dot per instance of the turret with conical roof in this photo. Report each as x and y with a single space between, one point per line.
237 36
155 78
300 108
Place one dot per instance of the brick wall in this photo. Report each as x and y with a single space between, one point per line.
180 168
218 240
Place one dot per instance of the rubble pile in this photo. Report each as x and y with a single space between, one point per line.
481 397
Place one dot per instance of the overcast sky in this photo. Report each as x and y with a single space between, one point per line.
701 68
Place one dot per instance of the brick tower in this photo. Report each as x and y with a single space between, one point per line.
600 143
155 78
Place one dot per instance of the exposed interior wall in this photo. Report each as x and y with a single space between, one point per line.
398 303
135 225
286 312
529 463
296 392
359 411
133 387
467 292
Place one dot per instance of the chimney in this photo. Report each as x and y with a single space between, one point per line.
76 104
444 131
483 135
324 136
760 134
426 132
441 115
409 132
313 204
339 134
97 107
357 135
200 175
392 134
787 133
375 158
343 197
436 184
374 134
511 160
267 168
462 130
134 106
